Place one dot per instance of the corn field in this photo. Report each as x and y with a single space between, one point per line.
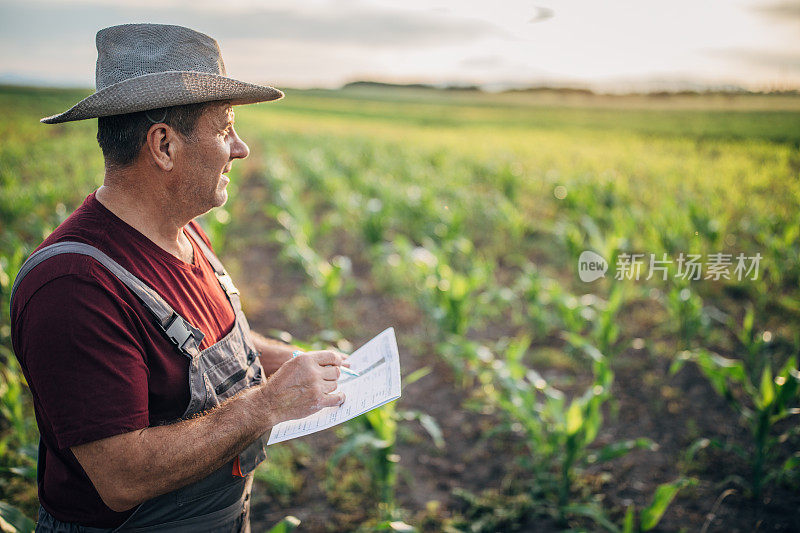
660 396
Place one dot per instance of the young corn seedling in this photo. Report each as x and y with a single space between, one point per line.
605 331
532 291
372 437
686 310
651 515
447 282
467 358
760 403
330 279
19 448
753 344
558 432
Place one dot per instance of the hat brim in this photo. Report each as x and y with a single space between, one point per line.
165 89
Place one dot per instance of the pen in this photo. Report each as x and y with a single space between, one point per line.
342 368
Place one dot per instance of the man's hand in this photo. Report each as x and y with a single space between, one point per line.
274 353
304 385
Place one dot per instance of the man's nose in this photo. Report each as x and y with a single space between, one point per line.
239 149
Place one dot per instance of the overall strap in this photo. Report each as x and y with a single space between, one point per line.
224 278
183 335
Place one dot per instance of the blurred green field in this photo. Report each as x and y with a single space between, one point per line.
472 209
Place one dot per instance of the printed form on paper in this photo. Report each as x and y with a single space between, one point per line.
378 363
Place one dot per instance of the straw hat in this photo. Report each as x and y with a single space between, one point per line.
149 66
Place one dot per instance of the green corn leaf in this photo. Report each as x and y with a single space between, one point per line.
289 523
383 424
767 388
353 444
719 370
429 424
628 526
594 513
679 361
618 449
574 418
746 333
731 368
790 303
514 356
593 419
579 342
433 429
791 464
416 375
14 520
700 444
651 515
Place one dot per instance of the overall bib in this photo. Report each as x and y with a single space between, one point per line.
221 501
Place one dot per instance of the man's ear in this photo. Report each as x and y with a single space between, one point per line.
162 143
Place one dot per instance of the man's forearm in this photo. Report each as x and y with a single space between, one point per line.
273 353
164 458
133 467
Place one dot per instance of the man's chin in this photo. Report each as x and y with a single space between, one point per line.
221 198
222 190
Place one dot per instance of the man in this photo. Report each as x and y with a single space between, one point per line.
150 391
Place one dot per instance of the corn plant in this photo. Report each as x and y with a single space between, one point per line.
605 330
19 446
686 310
650 515
372 437
330 278
447 281
466 358
531 288
761 404
559 432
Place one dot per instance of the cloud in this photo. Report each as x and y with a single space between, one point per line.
781 10
344 24
541 14
760 58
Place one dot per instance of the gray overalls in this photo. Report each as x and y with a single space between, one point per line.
221 501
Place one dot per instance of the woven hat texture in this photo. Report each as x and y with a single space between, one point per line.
149 66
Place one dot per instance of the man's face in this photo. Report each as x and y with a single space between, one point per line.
209 156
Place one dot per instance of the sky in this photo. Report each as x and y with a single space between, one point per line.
613 45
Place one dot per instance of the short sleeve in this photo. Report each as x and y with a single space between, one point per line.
85 364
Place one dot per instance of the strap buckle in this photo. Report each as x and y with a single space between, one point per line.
227 283
178 332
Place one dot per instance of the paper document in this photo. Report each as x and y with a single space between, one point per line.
378 362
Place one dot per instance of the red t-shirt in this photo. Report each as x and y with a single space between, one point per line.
96 363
